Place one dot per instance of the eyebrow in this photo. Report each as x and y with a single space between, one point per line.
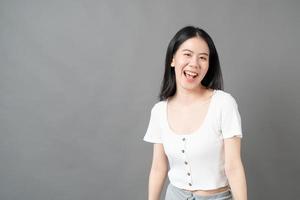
193 52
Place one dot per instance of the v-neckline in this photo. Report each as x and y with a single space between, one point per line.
199 128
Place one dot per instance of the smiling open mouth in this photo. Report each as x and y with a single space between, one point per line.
189 74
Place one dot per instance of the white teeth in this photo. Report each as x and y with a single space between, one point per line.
191 73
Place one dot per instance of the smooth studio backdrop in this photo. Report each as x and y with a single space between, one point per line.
78 80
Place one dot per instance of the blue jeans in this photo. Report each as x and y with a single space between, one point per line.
174 193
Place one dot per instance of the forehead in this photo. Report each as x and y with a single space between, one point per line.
195 44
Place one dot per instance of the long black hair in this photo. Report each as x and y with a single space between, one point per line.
213 78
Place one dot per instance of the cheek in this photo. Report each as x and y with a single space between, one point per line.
205 65
178 71
181 60
179 65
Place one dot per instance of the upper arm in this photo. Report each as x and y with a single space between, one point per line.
230 118
159 160
153 133
232 149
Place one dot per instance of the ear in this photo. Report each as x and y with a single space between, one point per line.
172 63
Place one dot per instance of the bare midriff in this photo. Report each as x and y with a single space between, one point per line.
210 192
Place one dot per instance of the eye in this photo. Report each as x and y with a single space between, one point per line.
187 54
203 58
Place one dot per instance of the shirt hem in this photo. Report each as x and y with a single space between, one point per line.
200 188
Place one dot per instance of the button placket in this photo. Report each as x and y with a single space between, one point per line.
186 162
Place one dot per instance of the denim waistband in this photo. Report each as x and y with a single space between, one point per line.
174 193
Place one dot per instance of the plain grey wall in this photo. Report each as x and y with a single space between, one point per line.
78 80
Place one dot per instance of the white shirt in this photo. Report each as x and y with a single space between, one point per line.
196 160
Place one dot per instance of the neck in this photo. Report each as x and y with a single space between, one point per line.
187 97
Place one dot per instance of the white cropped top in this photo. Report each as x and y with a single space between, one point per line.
196 160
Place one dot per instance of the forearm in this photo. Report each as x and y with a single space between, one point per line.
156 183
237 182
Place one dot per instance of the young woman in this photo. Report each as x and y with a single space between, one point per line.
196 126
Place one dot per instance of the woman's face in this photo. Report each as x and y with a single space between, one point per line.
191 63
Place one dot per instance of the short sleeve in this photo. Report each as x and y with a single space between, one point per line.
153 133
230 118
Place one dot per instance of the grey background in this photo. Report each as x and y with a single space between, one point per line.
78 80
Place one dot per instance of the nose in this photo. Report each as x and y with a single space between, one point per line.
194 62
